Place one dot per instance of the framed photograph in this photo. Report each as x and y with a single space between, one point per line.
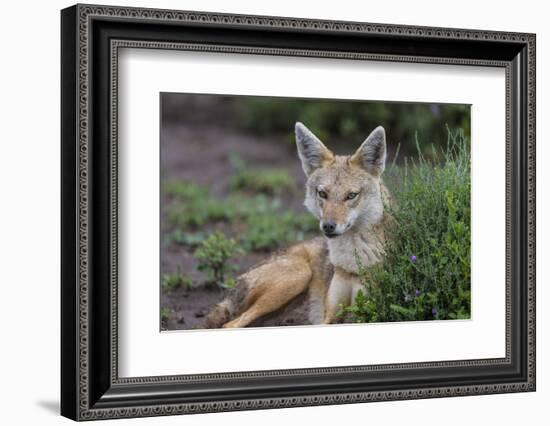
263 212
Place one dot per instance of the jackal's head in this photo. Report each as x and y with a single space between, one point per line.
342 191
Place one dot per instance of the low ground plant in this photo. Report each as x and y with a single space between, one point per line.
277 229
259 221
255 180
213 256
187 239
176 280
165 314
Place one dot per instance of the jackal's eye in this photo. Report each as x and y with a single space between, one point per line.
322 194
351 195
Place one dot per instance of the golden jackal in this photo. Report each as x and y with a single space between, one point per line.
347 195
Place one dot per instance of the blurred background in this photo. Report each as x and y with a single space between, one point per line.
339 123
232 184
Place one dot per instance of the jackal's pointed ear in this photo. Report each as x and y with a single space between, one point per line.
311 150
371 155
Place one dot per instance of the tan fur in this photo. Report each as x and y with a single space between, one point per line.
324 268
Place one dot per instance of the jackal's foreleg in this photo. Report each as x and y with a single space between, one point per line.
339 294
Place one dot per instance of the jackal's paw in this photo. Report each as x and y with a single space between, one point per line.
231 324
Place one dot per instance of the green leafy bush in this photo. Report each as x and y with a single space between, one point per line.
213 255
426 271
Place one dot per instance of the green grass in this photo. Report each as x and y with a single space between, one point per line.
184 190
176 280
258 222
276 229
165 314
426 271
190 204
244 206
186 239
195 213
264 181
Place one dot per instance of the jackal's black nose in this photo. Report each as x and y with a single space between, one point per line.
328 227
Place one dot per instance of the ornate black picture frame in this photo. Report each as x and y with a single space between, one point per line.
91 36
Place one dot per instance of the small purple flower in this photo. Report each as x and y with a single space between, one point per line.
413 258
434 109
417 292
434 312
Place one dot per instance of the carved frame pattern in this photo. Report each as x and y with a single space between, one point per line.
85 408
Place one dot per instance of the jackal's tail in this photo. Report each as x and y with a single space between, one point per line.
228 308
220 314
